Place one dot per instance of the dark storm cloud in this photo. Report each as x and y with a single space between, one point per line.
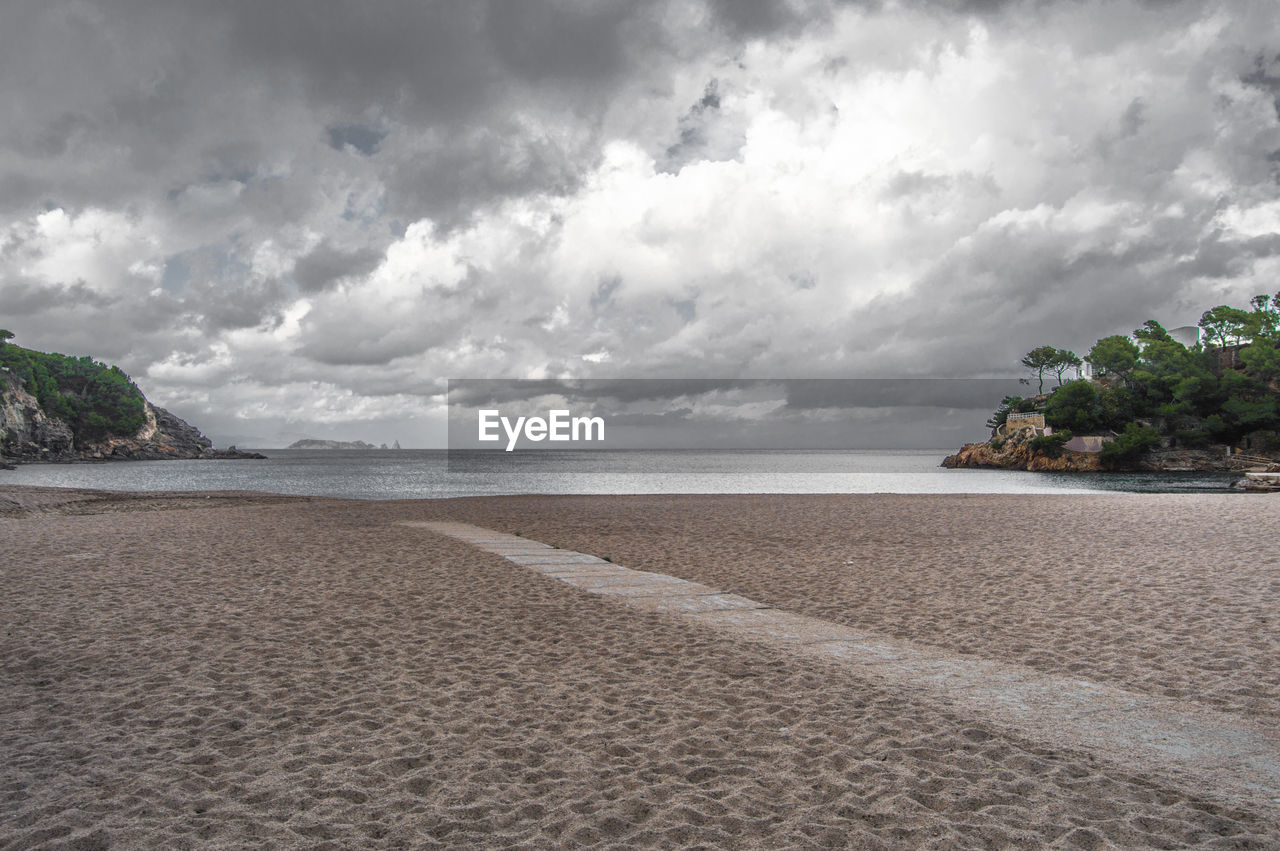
1265 75
451 174
670 396
19 297
756 18
186 92
326 265
476 392
359 137
694 126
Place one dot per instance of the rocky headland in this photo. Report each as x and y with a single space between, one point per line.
28 433
1015 452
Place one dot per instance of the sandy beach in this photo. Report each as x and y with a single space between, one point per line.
239 670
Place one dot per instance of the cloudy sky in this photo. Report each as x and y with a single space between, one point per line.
299 218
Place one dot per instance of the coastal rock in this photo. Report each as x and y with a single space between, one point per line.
1015 453
163 437
1209 459
230 454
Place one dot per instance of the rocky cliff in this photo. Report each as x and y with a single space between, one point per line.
28 434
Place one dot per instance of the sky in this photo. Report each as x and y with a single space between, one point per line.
300 218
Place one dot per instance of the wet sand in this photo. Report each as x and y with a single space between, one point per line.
178 671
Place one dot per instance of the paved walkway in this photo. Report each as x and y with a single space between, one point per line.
1217 754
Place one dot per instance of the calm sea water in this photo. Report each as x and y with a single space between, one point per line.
416 474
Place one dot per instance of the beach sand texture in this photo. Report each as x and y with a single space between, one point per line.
260 672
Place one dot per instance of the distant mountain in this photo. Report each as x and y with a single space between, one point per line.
59 408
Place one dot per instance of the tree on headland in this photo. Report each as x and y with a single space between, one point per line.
1009 405
1040 360
1262 359
1066 359
1114 355
1266 316
1077 407
5 336
1129 445
1225 324
1152 332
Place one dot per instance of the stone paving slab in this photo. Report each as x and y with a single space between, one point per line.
571 569
511 550
552 557
1215 752
607 582
774 625
640 591
692 604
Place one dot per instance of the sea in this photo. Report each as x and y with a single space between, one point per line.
439 474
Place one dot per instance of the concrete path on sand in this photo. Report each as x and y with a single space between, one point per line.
1215 753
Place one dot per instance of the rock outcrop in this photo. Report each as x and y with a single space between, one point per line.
28 434
1015 453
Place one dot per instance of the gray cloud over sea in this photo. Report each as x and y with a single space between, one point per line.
299 218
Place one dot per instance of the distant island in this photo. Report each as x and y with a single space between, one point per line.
57 408
308 443
1205 397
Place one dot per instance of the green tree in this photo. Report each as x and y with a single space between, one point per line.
1224 324
1131 444
1077 405
1115 355
1262 358
1064 360
1265 316
1172 383
1039 360
5 336
1001 415
1152 332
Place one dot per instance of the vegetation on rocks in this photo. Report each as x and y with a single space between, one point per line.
1150 391
63 409
97 401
